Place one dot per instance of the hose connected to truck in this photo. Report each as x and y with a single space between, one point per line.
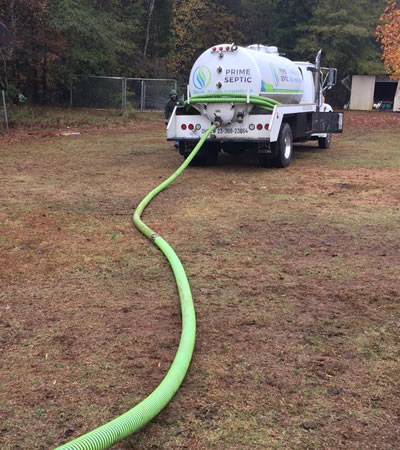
261 102
131 421
126 424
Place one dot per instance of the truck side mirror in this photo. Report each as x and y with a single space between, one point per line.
332 78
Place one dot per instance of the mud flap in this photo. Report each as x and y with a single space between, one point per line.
327 122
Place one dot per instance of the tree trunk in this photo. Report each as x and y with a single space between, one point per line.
5 80
44 80
13 28
151 9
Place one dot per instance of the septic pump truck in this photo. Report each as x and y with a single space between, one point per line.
258 100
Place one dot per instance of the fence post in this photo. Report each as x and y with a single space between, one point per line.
142 95
123 93
3 94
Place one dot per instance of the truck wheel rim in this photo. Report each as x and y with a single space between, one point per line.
288 147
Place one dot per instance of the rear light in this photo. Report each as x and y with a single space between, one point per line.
221 48
214 49
227 48
251 127
191 126
266 126
259 126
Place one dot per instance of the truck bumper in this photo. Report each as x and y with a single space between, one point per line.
254 128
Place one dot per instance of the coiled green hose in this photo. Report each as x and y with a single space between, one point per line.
126 424
262 102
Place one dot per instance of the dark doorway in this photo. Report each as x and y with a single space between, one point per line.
385 92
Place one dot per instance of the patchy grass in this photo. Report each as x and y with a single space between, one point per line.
295 275
36 117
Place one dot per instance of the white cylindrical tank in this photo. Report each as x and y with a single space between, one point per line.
257 70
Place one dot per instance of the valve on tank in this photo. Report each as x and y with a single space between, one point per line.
217 120
240 116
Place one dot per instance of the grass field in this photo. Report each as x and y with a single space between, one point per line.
295 276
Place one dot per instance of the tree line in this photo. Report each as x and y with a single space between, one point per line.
56 40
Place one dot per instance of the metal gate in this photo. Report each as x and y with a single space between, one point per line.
144 94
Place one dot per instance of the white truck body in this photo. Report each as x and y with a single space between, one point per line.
256 70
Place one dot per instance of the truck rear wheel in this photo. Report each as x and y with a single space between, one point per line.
282 149
325 142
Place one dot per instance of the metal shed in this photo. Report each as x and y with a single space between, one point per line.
369 89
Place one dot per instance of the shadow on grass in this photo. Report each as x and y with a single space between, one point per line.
248 159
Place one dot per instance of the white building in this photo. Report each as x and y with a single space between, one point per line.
369 89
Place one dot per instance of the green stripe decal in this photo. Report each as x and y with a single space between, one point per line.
265 87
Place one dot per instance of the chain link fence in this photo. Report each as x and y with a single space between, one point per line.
144 94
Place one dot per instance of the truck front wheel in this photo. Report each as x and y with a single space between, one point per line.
282 149
325 142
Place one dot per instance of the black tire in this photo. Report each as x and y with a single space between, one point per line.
182 149
186 151
325 142
282 149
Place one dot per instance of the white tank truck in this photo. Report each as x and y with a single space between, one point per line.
296 110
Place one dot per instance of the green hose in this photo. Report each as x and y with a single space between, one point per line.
131 421
262 102
126 424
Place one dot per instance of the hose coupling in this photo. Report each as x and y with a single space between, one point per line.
217 121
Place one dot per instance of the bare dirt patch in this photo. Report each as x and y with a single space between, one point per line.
295 276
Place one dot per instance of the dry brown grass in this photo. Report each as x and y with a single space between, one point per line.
295 276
